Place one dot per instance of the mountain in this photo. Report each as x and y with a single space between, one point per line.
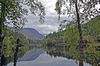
32 34
29 33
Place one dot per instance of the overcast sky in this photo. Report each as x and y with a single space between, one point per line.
51 19
51 23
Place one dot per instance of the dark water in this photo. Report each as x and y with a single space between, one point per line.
39 57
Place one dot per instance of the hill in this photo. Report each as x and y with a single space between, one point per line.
70 36
30 33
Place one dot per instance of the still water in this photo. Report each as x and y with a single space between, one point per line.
41 58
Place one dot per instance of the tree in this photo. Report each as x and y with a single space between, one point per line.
12 12
82 10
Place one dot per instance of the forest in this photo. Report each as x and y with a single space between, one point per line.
77 39
66 43
69 36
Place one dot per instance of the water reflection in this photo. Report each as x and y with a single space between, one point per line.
57 56
46 60
27 56
87 54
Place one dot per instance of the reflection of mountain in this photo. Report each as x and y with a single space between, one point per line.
31 55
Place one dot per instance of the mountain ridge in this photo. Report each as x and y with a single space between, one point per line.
29 33
32 34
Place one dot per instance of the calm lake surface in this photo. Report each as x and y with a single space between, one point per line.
41 58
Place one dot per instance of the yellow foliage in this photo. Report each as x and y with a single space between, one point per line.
99 28
98 64
39 45
85 38
53 48
90 45
95 52
7 53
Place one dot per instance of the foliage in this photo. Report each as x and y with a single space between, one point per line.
13 11
92 58
70 35
68 42
86 9
9 43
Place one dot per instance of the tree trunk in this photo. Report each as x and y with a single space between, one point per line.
81 58
80 36
2 19
79 26
16 52
0 41
99 1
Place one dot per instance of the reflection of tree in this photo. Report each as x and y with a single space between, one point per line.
83 11
89 51
11 46
12 12
92 58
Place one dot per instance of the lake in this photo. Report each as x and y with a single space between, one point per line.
39 57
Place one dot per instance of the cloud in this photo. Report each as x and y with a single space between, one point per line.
51 23
49 6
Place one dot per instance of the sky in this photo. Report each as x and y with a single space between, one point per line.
51 23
